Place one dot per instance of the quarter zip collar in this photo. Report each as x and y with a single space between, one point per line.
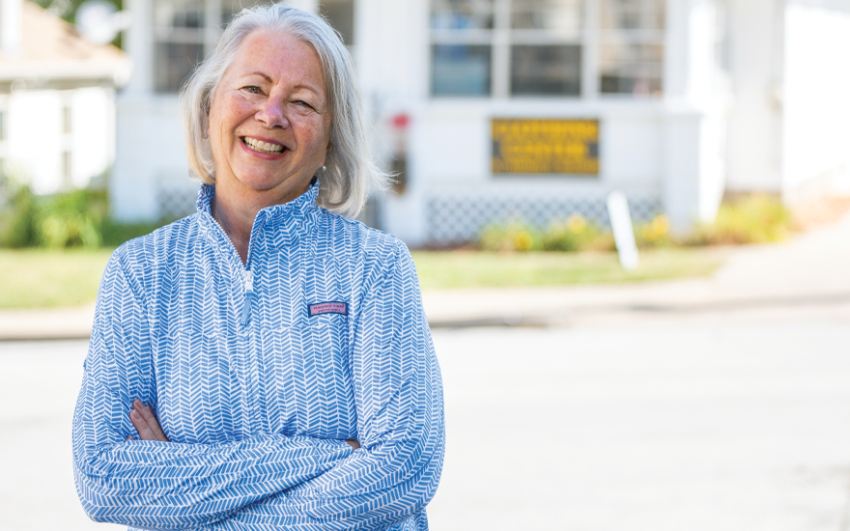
274 226
280 225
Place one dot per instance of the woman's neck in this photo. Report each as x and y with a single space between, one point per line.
235 207
237 223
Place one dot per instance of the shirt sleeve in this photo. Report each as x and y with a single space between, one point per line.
157 485
399 400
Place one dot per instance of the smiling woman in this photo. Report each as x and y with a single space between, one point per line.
269 129
264 363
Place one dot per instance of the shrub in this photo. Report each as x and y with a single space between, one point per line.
575 233
753 219
655 233
114 233
73 219
78 218
18 218
512 236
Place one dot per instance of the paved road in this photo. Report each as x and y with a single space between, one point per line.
720 422
664 426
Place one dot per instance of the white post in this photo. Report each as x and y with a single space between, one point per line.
10 27
621 224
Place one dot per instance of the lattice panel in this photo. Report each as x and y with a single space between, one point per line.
176 200
460 219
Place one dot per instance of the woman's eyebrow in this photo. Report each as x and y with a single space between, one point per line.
262 75
268 79
308 86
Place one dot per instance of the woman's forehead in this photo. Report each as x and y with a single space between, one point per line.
276 55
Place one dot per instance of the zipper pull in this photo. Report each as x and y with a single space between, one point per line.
249 281
248 278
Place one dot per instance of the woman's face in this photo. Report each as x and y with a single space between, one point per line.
269 123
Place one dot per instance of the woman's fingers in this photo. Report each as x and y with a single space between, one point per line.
144 420
150 417
142 428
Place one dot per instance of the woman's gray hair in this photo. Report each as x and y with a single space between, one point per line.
350 174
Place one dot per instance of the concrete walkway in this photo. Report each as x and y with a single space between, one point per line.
812 269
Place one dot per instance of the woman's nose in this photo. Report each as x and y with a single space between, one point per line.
272 114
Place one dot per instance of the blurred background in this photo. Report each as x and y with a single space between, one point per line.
705 388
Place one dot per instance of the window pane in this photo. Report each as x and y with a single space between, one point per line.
462 14
631 69
460 70
173 62
631 55
546 70
179 13
561 15
340 14
632 14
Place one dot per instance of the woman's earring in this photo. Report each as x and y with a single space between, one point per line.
324 168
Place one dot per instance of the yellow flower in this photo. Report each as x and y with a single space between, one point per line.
523 241
576 223
661 225
656 229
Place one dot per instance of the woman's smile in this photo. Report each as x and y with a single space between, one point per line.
264 148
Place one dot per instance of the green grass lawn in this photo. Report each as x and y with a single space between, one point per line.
35 278
464 269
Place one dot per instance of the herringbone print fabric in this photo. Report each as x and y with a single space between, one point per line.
256 395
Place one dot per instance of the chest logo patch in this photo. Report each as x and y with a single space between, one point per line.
320 308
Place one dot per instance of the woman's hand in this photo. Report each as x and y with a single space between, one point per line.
147 425
145 422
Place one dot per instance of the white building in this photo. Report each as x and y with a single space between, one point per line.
57 100
538 108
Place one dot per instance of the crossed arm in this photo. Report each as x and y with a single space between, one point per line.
143 418
269 482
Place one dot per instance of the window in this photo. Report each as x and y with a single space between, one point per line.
533 48
340 15
178 41
631 53
184 32
461 56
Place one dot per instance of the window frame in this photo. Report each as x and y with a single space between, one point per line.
590 37
206 37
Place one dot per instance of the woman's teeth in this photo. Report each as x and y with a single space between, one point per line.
262 147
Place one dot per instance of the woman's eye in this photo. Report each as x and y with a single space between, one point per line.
303 104
252 89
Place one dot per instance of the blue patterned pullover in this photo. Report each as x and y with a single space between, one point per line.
257 382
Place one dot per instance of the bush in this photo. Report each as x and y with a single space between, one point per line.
753 219
655 233
18 219
576 233
513 236
78 218
114 233
73 219
573 234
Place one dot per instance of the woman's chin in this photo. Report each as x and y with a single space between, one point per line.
263 184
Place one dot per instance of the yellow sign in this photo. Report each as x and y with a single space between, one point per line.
546 146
